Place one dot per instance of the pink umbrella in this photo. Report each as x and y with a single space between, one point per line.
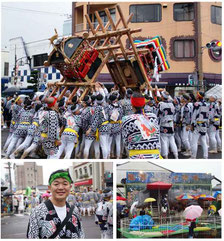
45 195
192 212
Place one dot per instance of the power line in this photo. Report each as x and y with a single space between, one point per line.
34 11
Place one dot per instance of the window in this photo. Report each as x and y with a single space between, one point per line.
80 171
183 11
76 174
6 69
216 15
38 60
90 169
145 13
104 18
184 48
85 170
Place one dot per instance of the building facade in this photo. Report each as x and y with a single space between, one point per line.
28 175
4 68
133 181
96 175
185 29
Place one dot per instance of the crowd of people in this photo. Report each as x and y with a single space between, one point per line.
145 124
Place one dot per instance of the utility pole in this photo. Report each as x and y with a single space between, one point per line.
10 180
102 169
200 50
10 176
15 71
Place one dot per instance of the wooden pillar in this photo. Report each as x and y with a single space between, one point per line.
84 14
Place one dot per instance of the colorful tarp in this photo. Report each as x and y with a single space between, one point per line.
155 46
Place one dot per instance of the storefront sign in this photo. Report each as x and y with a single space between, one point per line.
174 178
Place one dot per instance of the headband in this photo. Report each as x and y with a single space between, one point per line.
17 99
53 103
64 175
201 97
164 95
138 101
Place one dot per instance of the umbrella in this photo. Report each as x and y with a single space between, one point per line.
46 194
185 197
149 200
159 186
220 212
205 197
11 90
192 212
121 198
216 194
134 204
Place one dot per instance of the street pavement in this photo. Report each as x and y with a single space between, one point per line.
15 227
4 136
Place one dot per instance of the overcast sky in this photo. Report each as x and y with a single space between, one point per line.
49 166
35 24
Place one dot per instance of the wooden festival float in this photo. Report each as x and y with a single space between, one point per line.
81 59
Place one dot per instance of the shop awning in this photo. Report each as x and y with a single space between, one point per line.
84 183
159 186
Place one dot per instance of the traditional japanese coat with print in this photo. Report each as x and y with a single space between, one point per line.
25 119
16 110
44 222
166 112
141 132
115 115
87 117
200 117
214 115
73 122
99 117
127 106
185 115
49 128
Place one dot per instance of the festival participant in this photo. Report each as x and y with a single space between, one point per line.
15 109
89 136
85 203
25 118
100 125
93 200
126 103
214 123
115 115
30 133
70 135
49 128
177 126
185 120
199 125
55 218
166 112
104 215
140 131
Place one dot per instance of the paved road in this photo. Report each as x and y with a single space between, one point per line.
15 227
4 135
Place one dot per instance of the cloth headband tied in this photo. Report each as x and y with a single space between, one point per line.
53 103
138 101
64 175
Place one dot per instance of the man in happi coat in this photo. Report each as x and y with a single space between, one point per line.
47 218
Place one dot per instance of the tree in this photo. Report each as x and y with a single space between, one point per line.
34 79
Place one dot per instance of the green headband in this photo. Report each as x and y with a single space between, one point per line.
64 175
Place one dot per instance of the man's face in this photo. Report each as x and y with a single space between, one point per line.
60 189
